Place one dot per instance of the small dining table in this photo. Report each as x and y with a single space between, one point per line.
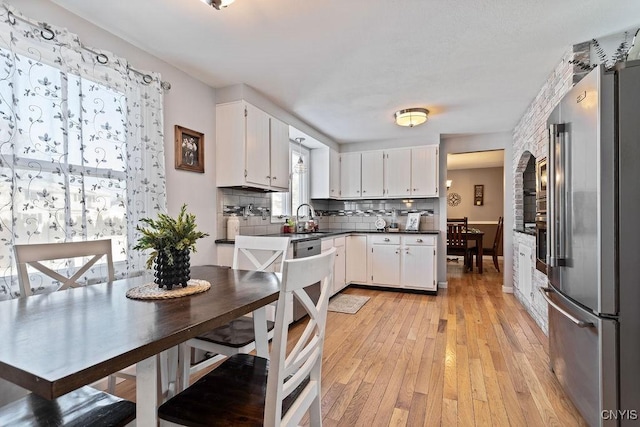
58 342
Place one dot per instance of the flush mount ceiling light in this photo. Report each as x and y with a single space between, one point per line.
218 4
411 116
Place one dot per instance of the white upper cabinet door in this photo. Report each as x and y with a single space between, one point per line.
424 171
350 174
372 174
334 174
397 170
257 146
279 155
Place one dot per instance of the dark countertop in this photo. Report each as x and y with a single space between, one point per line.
301 237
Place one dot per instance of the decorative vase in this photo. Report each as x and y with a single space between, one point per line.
169 274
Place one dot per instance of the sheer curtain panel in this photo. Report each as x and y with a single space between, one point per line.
81 146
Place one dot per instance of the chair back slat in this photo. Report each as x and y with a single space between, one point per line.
34 254
260 253
457 233
288 371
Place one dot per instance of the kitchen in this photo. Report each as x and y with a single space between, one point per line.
192 103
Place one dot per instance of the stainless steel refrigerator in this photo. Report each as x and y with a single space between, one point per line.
593 245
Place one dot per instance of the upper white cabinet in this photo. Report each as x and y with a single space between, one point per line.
372 174
411 172
424 171
350 175
325 173
245 137
397 173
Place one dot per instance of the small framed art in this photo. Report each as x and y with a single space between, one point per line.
413 222
189 147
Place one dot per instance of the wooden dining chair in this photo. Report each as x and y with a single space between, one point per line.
251 390
457 243
244 334
85 405
494 249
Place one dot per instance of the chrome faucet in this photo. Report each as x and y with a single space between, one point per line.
300 227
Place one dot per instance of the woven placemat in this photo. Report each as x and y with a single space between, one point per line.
152 291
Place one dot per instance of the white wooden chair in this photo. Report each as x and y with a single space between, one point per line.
244 334
84 404
251 390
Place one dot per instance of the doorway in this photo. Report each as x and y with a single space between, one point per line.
475 190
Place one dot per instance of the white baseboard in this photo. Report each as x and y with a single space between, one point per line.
507 289
443 285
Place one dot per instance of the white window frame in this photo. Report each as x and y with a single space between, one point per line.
294 150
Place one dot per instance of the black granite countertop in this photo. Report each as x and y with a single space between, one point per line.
301 237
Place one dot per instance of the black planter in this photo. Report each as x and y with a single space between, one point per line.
172 274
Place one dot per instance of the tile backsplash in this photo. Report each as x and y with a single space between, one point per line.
332 214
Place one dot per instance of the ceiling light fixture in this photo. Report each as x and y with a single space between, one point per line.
218 4
300 167
411 116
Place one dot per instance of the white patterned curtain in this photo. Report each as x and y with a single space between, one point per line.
81 147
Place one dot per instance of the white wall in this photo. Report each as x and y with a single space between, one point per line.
467 144
189 103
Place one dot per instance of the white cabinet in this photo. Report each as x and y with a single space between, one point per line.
245 138
411 172
424 171
325 173
372 174
279 154
339 267
384 260
418 269
407 261
356 248
350 175
397 173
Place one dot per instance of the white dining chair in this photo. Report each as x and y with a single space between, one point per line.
246 333
252 390
53 260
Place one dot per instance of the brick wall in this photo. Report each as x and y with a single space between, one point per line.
530 139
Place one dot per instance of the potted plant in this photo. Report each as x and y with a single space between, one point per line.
172 240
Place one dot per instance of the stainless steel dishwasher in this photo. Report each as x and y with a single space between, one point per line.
303 249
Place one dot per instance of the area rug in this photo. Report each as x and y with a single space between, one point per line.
349 304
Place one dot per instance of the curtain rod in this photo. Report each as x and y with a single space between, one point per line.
47 33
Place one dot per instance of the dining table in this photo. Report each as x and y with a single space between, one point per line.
57 342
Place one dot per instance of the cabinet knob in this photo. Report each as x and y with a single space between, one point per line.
419 240
364 191
408 189
273 177
415 189
357 191
397 251
268 177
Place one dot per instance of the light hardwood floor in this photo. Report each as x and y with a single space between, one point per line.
469 356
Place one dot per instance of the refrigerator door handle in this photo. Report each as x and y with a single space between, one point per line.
558 206
578 322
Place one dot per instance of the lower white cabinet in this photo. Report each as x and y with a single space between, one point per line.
418 263
356 254
403 261
339 268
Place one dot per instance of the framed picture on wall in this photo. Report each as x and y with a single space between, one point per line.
189 149
478 195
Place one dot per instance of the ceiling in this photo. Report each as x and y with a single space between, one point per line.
344 66
476 160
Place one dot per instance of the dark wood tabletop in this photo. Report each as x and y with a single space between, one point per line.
55 343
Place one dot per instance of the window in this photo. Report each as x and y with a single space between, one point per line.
284 204
81 149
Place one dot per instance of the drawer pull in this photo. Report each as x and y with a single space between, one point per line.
386 239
